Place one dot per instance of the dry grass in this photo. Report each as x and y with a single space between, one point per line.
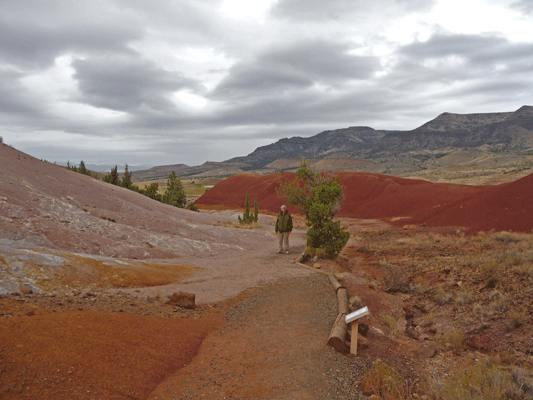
518 318
466 169
453 340
428 319
393 327
500 302
464 296
385 382
484 256
442 296
478 284
485 380
229 224
420 285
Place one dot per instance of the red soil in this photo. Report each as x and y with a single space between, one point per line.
231 192
402 201
87 355
502 207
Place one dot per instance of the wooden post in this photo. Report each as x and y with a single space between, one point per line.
353 319
355 333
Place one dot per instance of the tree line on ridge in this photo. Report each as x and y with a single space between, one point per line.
174 193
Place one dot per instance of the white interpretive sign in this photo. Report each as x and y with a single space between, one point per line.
353 319
357 314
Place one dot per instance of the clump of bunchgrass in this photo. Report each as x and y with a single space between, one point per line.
507 237
523 269
442 296
428 319
420 285
386 383
392 325
500 302
479 309
355 303
518 318
511 258
489 268
453 340
464 296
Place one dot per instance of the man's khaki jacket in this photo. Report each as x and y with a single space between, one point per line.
284 222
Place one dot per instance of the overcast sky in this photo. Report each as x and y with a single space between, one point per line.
189 81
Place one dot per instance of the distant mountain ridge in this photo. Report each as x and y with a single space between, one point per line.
507 132
349 140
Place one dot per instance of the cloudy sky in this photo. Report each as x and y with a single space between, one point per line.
189 81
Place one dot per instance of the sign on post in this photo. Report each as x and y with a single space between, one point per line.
353 318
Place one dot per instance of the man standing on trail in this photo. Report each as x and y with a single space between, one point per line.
284 228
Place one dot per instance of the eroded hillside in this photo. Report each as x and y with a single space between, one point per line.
399 201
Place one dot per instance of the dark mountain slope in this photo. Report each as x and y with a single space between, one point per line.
341 140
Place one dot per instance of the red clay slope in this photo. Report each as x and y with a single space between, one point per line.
402 201
506 207
230 193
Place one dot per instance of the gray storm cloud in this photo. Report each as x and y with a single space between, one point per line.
191 81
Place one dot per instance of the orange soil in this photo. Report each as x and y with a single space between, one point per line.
87 355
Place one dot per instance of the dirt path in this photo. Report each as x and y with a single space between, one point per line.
273 346
219 279
268 343
260 332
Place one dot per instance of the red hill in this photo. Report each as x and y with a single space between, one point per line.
372 196
230 192
502 207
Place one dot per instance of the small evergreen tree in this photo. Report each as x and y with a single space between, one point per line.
324 233
248 218
256 210
152 191
82 169
112 177
71 167
126 179
318 197
174 193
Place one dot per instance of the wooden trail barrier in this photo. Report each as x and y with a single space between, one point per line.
337 337
342 298
334 282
